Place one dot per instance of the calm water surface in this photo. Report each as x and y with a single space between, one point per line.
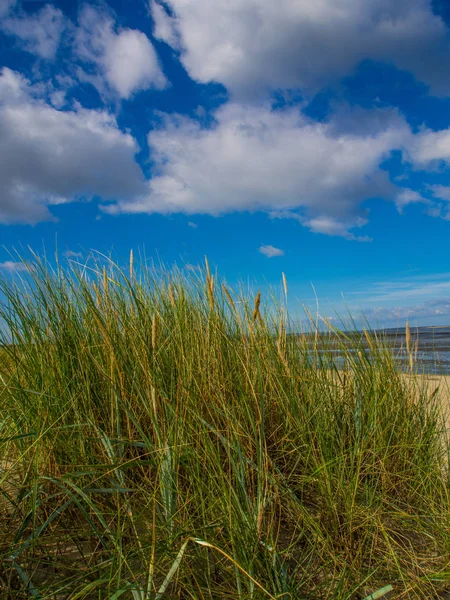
433 347
433 354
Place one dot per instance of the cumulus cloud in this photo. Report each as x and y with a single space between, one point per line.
38 33
270 251
51 156
251 45
163 25
125 58
429 151
248 159
261 159
429 148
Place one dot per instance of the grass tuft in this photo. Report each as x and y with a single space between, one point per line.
155 443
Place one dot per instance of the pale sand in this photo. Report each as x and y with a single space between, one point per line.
437 385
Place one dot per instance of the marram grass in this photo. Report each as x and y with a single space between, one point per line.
165 437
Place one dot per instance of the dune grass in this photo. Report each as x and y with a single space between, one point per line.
163 436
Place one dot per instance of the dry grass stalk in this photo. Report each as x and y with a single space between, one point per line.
154 332
283 360
229 298
154 340
281 333
408 346
131 264
285 286
171 295
97 294
210 286
256 314
105 281
368 339
281 345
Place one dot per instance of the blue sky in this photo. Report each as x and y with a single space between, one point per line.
306 138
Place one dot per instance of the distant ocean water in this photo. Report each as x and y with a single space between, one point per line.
433 347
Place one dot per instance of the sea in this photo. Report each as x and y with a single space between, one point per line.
430 345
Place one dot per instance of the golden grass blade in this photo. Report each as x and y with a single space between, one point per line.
228 295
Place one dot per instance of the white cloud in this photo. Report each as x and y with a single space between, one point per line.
193 225
440 191
13 267
250 45
427 151
51 156
249 159
72 254
163 25
408 196
428 147
58 98
126 58
40 33
270 251
326 225
331 226
260 159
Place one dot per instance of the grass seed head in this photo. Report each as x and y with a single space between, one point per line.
256 314
228 295
131 264
285 286
408 338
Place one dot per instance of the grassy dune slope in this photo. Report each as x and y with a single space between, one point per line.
162 437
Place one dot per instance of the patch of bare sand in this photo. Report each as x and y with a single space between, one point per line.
435 386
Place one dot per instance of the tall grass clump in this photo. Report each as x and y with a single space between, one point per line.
163 436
